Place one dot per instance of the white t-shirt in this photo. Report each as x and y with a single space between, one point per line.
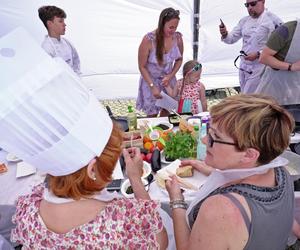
64 49
254 31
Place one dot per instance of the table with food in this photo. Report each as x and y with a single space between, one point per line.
163 142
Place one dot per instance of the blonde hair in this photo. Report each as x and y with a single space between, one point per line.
255 121
78 184
188 66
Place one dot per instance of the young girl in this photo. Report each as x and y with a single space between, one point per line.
193 89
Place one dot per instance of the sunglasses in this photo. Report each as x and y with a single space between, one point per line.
211 141
197 67
172 13
252 4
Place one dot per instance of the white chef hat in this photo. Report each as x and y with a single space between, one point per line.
47 117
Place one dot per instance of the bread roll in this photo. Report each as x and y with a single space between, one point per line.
186 171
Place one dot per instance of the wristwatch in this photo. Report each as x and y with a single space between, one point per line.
151 84
290 67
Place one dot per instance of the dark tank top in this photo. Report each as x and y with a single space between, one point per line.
271 208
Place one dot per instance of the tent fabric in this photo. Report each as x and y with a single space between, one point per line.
107 34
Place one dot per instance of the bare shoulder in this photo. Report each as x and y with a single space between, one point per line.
178 36
202 86
219 218
212 205
146 42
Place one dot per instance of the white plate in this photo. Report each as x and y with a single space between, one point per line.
12 158
198 179
163 158
24 169
146 169
127 184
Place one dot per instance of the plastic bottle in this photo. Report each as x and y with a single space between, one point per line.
131 119
201 147
196 135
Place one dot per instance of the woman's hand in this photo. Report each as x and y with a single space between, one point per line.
173 189
155 92
198 165
166 80
133 162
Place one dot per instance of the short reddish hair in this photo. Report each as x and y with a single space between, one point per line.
78 184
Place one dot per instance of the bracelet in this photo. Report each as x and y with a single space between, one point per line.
176 201
179 203
290 67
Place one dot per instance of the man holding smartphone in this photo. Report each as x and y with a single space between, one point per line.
254 30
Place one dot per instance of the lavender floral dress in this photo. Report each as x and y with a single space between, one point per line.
123 224
145 99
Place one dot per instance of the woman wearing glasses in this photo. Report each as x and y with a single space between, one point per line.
159 58
247 201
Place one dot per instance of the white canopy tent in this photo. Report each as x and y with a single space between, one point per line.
107 35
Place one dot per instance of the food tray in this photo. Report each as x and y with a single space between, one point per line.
174 119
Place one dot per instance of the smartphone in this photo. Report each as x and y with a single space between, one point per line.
115 185
222 25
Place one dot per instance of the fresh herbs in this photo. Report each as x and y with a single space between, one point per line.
180 145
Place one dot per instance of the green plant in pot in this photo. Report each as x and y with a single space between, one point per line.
180 145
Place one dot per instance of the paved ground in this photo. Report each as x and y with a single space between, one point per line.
119 106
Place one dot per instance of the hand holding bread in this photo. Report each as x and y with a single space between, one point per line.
185 171
198 165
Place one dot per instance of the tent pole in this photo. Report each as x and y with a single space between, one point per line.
196 29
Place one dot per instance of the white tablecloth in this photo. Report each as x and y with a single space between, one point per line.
12 187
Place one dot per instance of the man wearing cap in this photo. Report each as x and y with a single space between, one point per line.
56 46
254 30
281 78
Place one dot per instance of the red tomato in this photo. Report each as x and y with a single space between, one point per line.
148 157
143 156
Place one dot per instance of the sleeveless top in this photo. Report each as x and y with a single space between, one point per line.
191 91
271 208
145 100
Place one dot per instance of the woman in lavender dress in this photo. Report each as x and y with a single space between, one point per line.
159 57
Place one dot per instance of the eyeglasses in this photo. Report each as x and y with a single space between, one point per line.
242 53
172 13
252 4
211 141
197 67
